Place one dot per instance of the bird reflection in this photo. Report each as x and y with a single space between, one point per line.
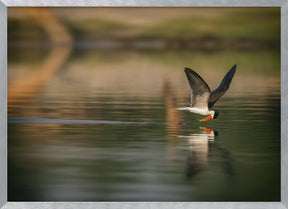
201 147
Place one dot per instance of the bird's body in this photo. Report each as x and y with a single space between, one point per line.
202 99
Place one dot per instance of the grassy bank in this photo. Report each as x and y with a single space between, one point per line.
224 28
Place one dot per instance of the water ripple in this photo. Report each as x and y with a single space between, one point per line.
66 121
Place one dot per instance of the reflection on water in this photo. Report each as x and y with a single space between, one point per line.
103 128
202 146
29 84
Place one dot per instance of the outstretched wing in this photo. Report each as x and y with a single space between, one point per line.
223 87
200 91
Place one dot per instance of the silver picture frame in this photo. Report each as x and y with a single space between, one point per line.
148 3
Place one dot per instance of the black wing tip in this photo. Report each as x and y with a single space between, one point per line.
187 69
190 72
232 70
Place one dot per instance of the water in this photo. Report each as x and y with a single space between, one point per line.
100 126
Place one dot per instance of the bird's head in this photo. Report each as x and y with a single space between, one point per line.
212 115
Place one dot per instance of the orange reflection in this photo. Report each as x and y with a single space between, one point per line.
28 87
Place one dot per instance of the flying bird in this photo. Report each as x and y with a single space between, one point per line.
202 99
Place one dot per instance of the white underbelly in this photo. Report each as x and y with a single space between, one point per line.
199 111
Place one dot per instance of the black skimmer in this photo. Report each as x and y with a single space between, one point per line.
202 99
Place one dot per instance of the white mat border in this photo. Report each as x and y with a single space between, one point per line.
148 3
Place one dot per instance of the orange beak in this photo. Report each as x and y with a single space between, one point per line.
208 130
209 117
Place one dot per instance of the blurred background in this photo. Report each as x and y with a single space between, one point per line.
91 93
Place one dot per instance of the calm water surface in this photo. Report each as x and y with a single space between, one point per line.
100 126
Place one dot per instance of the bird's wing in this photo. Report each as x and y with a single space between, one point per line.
200 91
222 88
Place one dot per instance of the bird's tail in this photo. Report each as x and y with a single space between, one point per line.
182 108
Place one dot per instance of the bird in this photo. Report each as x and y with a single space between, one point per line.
202 98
